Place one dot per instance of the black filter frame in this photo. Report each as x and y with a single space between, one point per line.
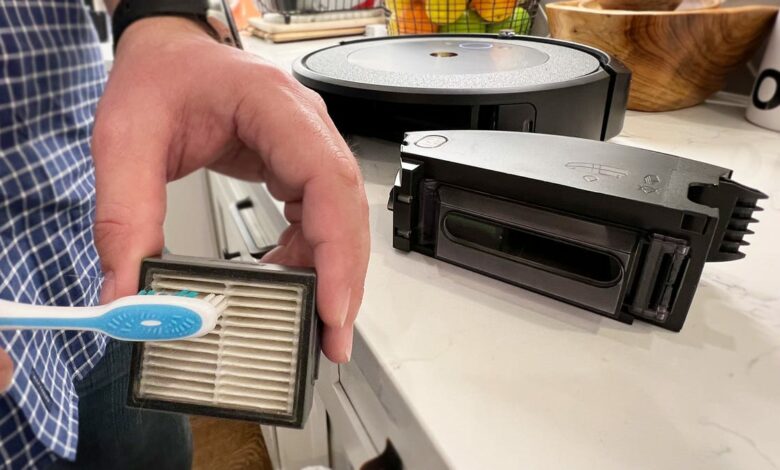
308 341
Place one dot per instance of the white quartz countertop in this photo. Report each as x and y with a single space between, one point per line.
500 377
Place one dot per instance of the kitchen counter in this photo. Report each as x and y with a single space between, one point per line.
494 376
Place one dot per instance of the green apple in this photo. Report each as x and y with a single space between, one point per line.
469 22
520 22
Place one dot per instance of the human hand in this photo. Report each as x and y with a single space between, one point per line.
177 101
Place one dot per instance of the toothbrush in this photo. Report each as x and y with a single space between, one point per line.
147 316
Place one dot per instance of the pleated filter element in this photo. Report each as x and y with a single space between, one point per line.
259 363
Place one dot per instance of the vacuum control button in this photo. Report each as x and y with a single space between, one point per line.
431 141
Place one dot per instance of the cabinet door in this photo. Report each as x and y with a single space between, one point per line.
349 444
333 437
293 449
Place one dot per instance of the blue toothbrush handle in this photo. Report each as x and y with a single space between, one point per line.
150 320
49 323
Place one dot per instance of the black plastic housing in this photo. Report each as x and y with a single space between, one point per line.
621 231
592 106
308 341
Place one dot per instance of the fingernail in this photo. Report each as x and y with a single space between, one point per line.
108 288
349 350
344 309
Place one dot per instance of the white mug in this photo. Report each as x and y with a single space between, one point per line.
764 106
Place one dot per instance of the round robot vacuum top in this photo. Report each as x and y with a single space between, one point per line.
447 64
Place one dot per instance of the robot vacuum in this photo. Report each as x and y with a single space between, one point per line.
383 87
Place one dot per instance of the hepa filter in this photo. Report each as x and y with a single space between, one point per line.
259 363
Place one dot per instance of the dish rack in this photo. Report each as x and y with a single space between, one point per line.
292 20
459 16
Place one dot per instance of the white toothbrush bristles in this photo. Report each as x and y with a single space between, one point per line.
218 301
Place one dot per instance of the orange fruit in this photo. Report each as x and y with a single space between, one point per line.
494 10
411 20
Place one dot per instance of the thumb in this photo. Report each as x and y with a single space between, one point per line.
130 176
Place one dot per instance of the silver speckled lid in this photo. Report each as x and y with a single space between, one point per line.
450 63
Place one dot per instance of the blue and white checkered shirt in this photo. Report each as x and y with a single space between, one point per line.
51 76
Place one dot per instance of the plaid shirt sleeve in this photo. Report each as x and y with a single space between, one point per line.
51 76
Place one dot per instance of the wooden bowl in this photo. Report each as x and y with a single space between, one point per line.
677 58
639 5
649 5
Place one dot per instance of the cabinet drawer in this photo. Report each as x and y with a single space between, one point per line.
248 220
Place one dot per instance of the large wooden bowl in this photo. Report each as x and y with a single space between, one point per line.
639 5
650 5
677 58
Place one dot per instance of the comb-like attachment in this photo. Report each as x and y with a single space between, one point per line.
736 203
247 362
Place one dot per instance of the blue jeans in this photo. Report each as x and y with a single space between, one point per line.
113 436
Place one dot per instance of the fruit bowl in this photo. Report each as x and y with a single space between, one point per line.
459 16
677 58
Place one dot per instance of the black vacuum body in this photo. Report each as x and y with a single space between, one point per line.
621 231
387 86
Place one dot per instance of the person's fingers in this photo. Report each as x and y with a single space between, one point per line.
337 343
244 164
306 160
293 211
290 233
130 173
6 371
292 250
335 221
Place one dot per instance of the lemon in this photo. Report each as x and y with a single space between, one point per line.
395 5
445 11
